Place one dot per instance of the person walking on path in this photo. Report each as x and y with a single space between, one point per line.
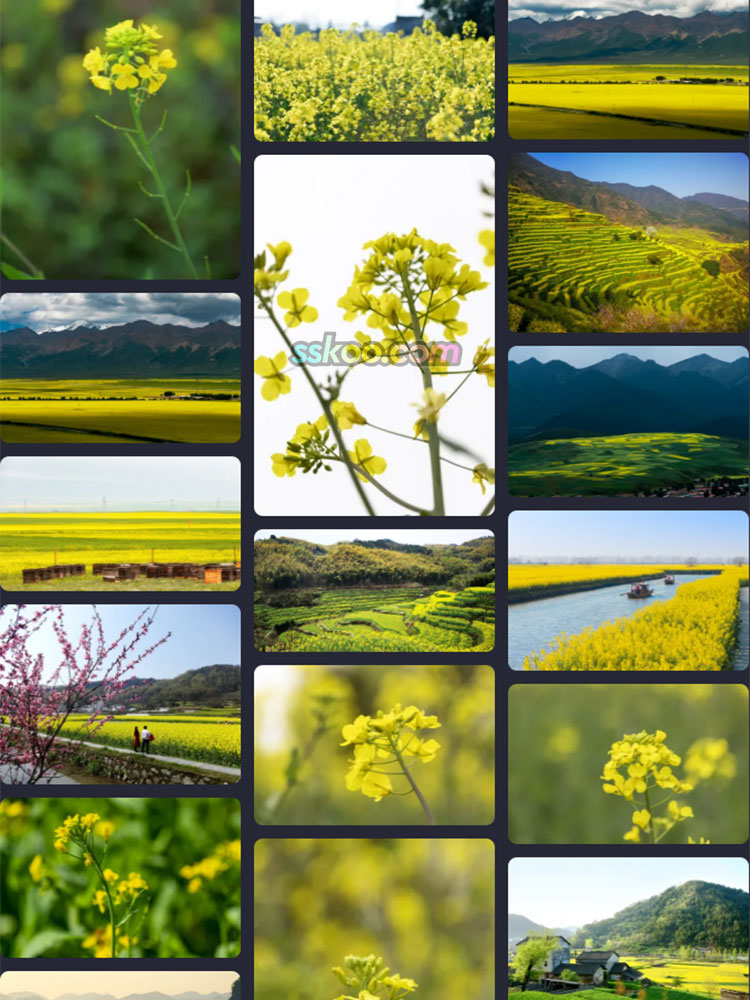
136 739
146 737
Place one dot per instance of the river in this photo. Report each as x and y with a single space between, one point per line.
533 625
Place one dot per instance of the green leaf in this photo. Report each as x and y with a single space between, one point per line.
235 153
13 272
47 942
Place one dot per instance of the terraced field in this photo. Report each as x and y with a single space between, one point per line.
575 271
392 619
626 102
31 540
107 411
623 463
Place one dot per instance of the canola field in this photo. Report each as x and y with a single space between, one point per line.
621 464
606 102
527 582
345 87
697 629
214 739
31 540
705 977
118 411
575 271
381 620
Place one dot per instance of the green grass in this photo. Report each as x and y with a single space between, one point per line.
103 412
625 463
581 270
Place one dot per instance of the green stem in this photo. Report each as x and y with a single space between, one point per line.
36 273
418 440
326 409
438 502
110 904
487 509
151 163
651 815
412 782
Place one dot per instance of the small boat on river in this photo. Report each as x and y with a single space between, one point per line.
668 580
640 590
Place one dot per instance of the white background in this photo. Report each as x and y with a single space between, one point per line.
327 207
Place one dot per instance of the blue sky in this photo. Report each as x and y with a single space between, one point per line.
569 892
422 536
682 174
202 634
629 535
128 483
580 357
542 10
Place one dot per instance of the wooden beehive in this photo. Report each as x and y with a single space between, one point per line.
212 575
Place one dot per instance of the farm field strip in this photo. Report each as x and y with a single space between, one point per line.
118 410
581 260
697 629
215 742
538 578
692 973
30 540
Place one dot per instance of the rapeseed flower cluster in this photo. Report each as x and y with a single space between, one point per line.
383 739
350 86
372 980
209 868
639 764
131 60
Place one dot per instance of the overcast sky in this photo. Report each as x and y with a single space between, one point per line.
629 535
581 357
201 635
119 984
165 483
50 310
342 13
327 207
682 174
543 10
421 536
570 892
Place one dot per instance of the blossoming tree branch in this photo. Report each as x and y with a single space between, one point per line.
407 289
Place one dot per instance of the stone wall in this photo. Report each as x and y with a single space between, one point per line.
141 769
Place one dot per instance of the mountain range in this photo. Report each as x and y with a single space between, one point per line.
624 394
628 204
519 926
140 349
214 686
707 38
695 914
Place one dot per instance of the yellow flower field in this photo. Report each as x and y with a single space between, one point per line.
701 976
215 739
526 577
31 540
695 630
374 88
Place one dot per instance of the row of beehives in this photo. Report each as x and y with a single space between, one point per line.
115 572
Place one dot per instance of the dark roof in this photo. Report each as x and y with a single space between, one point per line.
596 956
532 937
586 968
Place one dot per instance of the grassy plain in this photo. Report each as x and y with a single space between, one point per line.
675 110
583 272
31 540
117 411
623 463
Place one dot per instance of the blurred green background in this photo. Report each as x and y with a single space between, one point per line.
459 784
70 184
154 837
559 738
426 906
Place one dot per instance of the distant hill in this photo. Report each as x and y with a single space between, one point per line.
707 38
284 563
519 926
696 914
735 206
132 350
624 394
216 686
627 203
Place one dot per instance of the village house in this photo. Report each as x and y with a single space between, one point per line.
591 967
405 23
